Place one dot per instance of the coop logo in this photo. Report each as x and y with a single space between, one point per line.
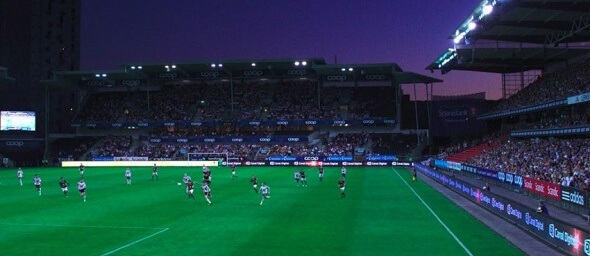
211 74
311 122
169 124
209 140
311 158
196 124
518 180
252 73
254 123
339 122
336 78
282 122
573 197
15 143
501 176
130 82
168 75
293 139
375 77
368 121
142 124
182 140
96 83
116 124
388 121
264 139
237 139
296 72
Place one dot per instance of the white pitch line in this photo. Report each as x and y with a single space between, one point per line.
137 241
73 226
436 216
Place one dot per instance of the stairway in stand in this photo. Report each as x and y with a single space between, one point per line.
474 151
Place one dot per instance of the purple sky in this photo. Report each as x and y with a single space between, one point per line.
411 33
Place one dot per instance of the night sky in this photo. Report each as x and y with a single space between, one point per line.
411 33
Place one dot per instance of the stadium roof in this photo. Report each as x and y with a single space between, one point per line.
304 68
541 33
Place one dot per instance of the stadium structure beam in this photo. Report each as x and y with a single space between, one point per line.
578 25
568 6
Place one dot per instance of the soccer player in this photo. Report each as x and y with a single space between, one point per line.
186 179
415 175
63 183
343 172
190 189
297 176
321 172
342 185
254 181
81 168
206 192
19 175
37 182
233 172
82 188
128 176
155 172
303 179
207 178
265 190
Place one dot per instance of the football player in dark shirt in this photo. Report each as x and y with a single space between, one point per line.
342 185
233 172
321 172
303 179
190 189
254 181
63 183
155 172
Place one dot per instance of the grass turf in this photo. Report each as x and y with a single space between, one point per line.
380 215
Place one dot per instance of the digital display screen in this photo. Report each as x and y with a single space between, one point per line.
17 121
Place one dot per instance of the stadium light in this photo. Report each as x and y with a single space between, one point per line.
350 69
213 65
132 67
487 9
139 67
304 63
253 64
220 65
167 67
173 66
97 75
343 69
297 63
472 25
104 75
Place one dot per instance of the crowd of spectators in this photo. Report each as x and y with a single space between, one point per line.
72 148
562 161
112 146
557 85
397 144
251 100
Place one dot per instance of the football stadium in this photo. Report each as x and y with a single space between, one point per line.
300 156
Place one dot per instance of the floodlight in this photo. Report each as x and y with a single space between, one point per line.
166 67
487 9
139 67
253 64
220 65
132 67
472 25
304 63
173 66
97 75
213 65
343 69
350 69
104 75
458 38
296 63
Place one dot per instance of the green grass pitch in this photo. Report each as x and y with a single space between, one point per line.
382 214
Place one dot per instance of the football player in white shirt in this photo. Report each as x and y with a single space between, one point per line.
82 188
128 176
265 191
19 175
37 182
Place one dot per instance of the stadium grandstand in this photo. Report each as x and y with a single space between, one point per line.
246 110
536 146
